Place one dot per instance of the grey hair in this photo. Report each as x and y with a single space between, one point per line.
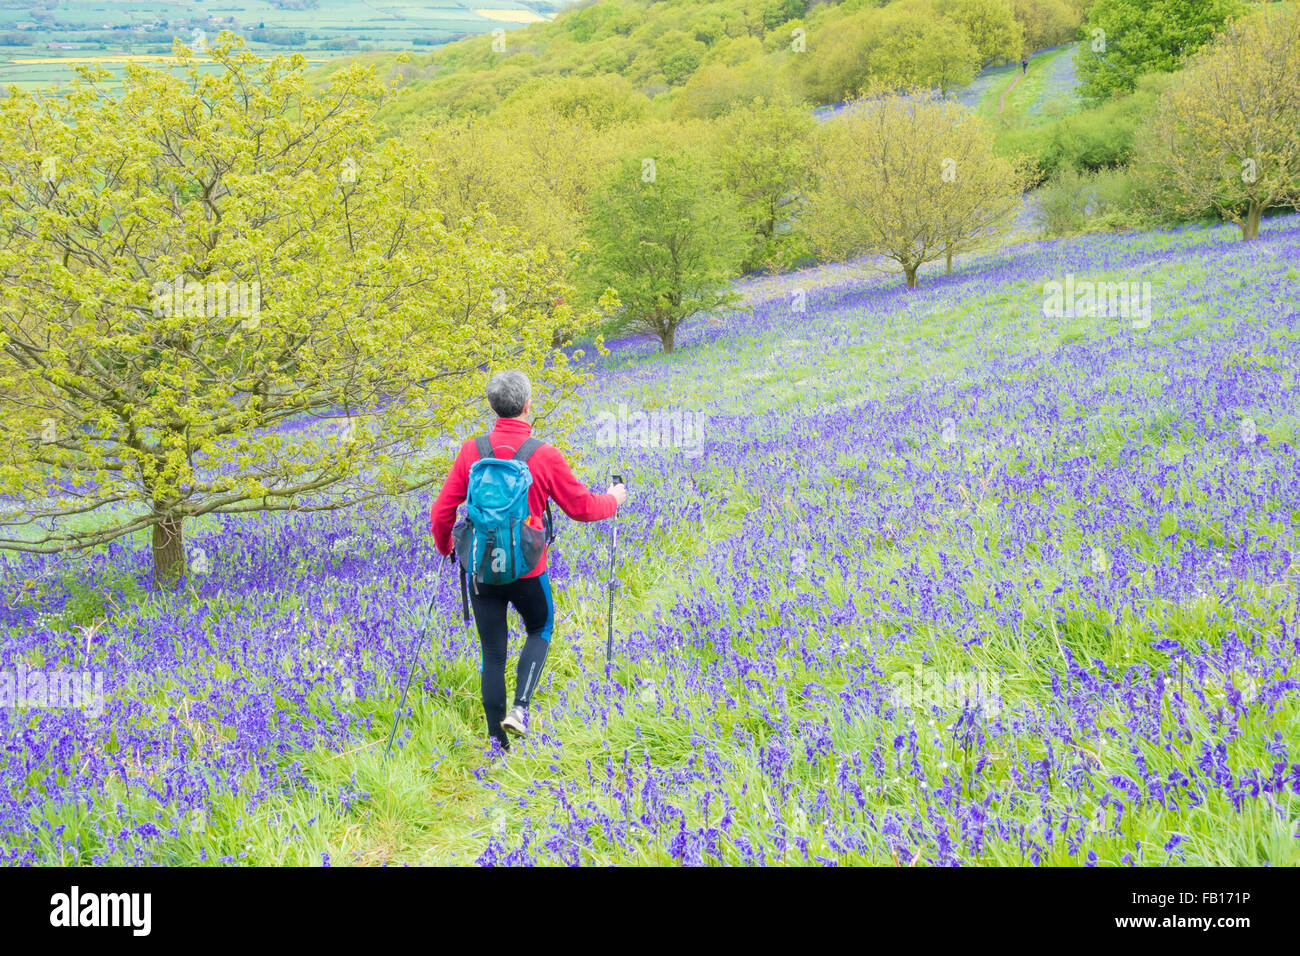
508 392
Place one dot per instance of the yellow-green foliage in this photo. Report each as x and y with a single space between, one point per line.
701 57
991 25
905 44
316 275
909 177
1046 23
665 236
764 151
1224 135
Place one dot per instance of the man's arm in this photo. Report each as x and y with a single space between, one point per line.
442 515
573 497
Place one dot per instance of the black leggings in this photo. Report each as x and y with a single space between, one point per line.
532 599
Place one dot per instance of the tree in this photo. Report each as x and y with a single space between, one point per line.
199 269
777 12
666 237
985 191
991 26
1046 23
679 55
909 177
918 47
599 101
746 17
716 88
1125 38
530 168
838 67
1224 135
902 45
764 151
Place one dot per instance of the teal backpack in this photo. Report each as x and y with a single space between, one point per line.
494 543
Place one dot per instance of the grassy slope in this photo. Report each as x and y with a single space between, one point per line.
774 669
919 361
1042 94
925 347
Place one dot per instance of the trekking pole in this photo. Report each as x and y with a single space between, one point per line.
428 620
613 582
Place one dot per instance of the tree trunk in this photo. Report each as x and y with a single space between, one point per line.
666 339
909 272
168 551
947 270
1250 228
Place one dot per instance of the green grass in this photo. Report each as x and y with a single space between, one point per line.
434 804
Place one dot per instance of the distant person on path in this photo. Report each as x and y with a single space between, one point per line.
510 396
1024 64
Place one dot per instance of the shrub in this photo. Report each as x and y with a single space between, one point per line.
1103 137
1077 201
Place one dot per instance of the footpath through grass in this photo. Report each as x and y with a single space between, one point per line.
948 582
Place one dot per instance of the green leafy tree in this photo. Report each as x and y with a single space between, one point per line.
777 12
836 65
906 44
599 101
1125 38
908 177
197 267
1046 23
991 26
1224 136
716 88
764 151
527 172
666 237
744 17
918 47
679 55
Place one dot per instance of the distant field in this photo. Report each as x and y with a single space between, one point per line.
41 47
512 16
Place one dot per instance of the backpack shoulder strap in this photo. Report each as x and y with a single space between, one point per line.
484 445
526 450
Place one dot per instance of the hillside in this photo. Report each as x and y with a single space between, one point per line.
944 580
690 58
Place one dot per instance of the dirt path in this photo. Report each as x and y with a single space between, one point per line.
1002 101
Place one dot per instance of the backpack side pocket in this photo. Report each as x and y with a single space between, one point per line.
532 542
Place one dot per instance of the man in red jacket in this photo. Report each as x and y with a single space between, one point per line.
510 395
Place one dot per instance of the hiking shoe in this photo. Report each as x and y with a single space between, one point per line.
516 721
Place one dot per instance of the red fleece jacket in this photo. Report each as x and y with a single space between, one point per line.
552 479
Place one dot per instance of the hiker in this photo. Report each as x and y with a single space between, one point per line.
1024 64
510 396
